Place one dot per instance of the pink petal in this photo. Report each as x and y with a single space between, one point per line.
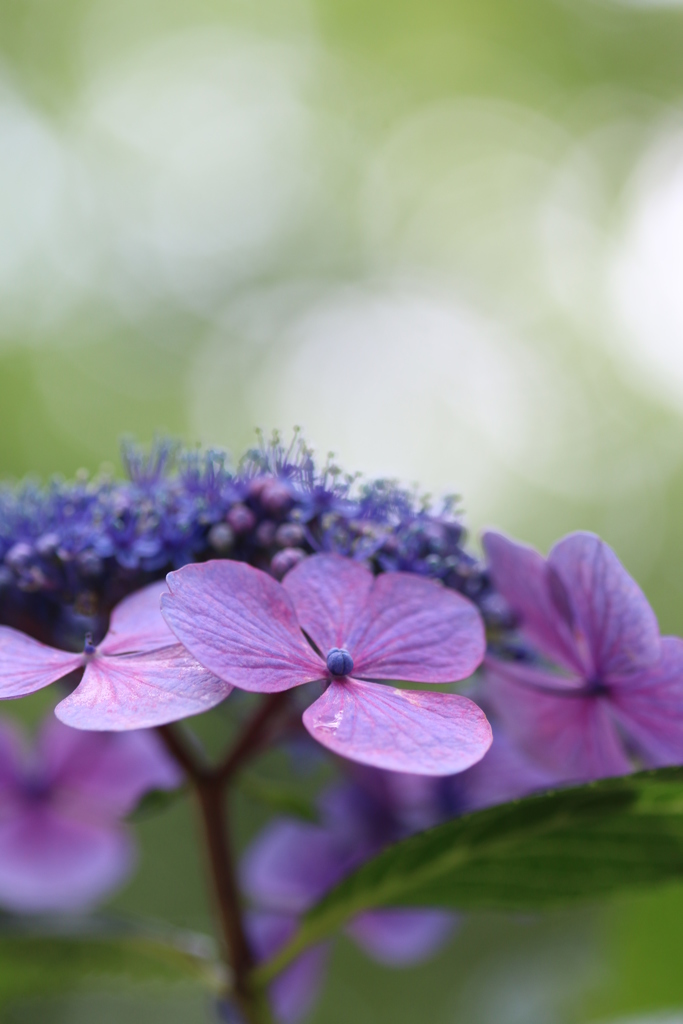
613 619
27 665
649 707
398 937
520 574
106 773
50 862
137 624
416 630
329 594
401 730
571 735
240 624
137 691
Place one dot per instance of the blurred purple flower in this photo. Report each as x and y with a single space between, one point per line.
63 845
246 628
127 678
292 864
611 688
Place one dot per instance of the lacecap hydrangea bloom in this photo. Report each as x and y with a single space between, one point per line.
598 690
63 842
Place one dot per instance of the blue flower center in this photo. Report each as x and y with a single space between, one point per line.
339 662
89 647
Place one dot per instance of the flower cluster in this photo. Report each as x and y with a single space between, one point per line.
278 578
71 550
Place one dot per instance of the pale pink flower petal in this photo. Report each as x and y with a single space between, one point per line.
27 665
649 707
613 620
329 594
137 691
107 772
423 733
137 624
240 624
520 574
50 862
573 735
415 629
398 937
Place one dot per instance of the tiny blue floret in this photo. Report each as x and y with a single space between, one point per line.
339 662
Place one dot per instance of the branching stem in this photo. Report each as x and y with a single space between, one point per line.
209 784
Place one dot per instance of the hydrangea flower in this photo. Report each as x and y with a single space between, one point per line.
250 630
291 864
607 687
138 676
63 845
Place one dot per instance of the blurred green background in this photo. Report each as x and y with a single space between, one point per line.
444 237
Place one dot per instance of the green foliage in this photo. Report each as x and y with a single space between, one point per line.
55 957
553 850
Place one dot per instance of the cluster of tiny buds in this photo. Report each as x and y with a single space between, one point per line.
70 550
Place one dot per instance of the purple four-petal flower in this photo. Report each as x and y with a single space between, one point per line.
137 677
63 845
619 688
251 631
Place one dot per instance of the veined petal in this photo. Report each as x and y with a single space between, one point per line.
572 735
401 730
613 618
649 707
27 665
520 574
137 691
329 594
398 937
241 625
106 773
50 862
137 624
415 629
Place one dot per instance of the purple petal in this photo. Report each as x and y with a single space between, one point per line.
290 865
571 735
505 773
137 624
649 707
398 937
240 624
415 629
50 862
329 594
401 730
613 619
137 691
107 772
520 574
27 665
293 992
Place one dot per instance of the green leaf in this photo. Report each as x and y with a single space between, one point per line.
52 956
154 802
546 851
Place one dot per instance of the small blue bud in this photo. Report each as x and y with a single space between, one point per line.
339 662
